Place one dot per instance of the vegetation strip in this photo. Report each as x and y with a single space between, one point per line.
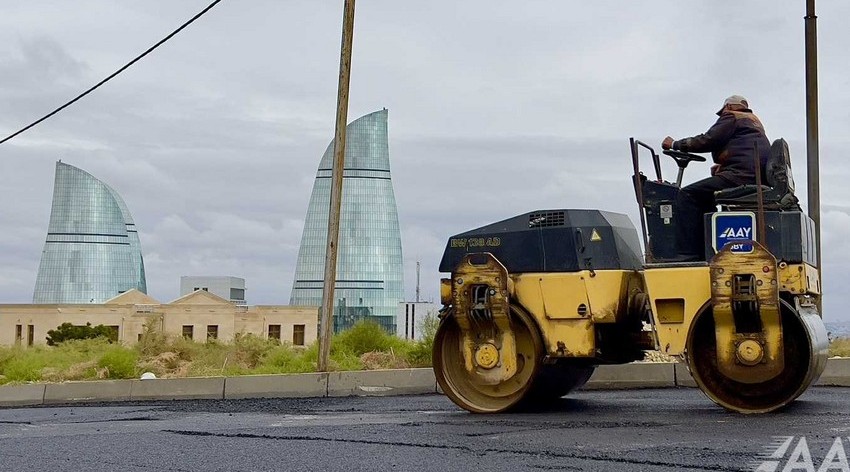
366 346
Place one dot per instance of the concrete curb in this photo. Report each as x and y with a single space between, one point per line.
381 382
72 392
836 374
336 384
683 376
638 375
178 389
21 395
276 386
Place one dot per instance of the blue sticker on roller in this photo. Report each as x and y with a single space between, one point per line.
731 227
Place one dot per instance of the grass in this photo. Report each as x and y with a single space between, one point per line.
839 347
364 346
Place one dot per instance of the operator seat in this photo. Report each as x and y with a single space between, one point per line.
778 194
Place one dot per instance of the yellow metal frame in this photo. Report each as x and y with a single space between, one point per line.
731 345
799 279
486 272
676 296
567 305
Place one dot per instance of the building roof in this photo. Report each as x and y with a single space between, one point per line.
200 297
132 297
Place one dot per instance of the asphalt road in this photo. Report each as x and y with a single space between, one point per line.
641 430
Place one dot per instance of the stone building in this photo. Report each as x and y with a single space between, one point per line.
199 315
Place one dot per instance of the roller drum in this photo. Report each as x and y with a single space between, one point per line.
469 386
554 381
805 349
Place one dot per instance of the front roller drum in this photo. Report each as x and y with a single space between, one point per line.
476 390
554 381
804 348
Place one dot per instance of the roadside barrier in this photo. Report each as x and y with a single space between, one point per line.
337 384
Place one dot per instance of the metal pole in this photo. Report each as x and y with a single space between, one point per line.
417 281
760 226
327 308
812 147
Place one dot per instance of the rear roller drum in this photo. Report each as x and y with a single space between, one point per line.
554 381
470 389
804 348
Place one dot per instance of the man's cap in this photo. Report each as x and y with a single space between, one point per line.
734 100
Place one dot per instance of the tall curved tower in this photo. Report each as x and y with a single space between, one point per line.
370 281
92 252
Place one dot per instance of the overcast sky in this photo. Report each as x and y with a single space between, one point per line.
495 108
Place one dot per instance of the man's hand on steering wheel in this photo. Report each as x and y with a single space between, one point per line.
667 143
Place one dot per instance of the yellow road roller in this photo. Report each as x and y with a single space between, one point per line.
535 302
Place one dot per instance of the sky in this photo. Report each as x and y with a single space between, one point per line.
495 109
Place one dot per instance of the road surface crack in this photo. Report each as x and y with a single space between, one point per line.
560 455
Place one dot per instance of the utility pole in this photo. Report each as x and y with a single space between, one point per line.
417 281
327 308
812 145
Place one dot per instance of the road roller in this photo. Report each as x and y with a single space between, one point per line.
535 302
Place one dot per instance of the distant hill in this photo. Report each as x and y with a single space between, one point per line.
838 329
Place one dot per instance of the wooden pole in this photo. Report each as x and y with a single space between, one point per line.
327 309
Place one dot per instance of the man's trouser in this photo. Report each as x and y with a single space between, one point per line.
692 202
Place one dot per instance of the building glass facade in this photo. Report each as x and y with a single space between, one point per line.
370 281
92 252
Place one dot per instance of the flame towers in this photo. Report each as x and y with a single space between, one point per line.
369 275
92 252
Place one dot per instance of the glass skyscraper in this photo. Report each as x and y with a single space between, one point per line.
370 281
92 252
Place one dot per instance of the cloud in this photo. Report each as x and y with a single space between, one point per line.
214 140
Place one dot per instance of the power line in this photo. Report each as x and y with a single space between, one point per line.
126 66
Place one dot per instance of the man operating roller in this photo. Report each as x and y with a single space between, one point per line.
731 142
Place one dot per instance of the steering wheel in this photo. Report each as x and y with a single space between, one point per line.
682 158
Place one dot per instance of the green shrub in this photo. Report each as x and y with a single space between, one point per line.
286 359
420 354
119 362
368 336
62 362
68 331
22 369
189 350
250 349
7 354
153 341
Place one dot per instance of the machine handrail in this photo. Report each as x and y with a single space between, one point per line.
636 178
656 160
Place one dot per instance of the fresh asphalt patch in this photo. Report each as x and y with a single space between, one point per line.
643 430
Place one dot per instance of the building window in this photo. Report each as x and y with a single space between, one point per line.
298 335
139 338
237 293
205 289
212 332
274 332
188 331
30 335
19 333
197 288
113 332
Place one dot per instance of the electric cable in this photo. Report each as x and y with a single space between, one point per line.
126 66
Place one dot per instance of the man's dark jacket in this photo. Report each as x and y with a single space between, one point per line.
730 141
